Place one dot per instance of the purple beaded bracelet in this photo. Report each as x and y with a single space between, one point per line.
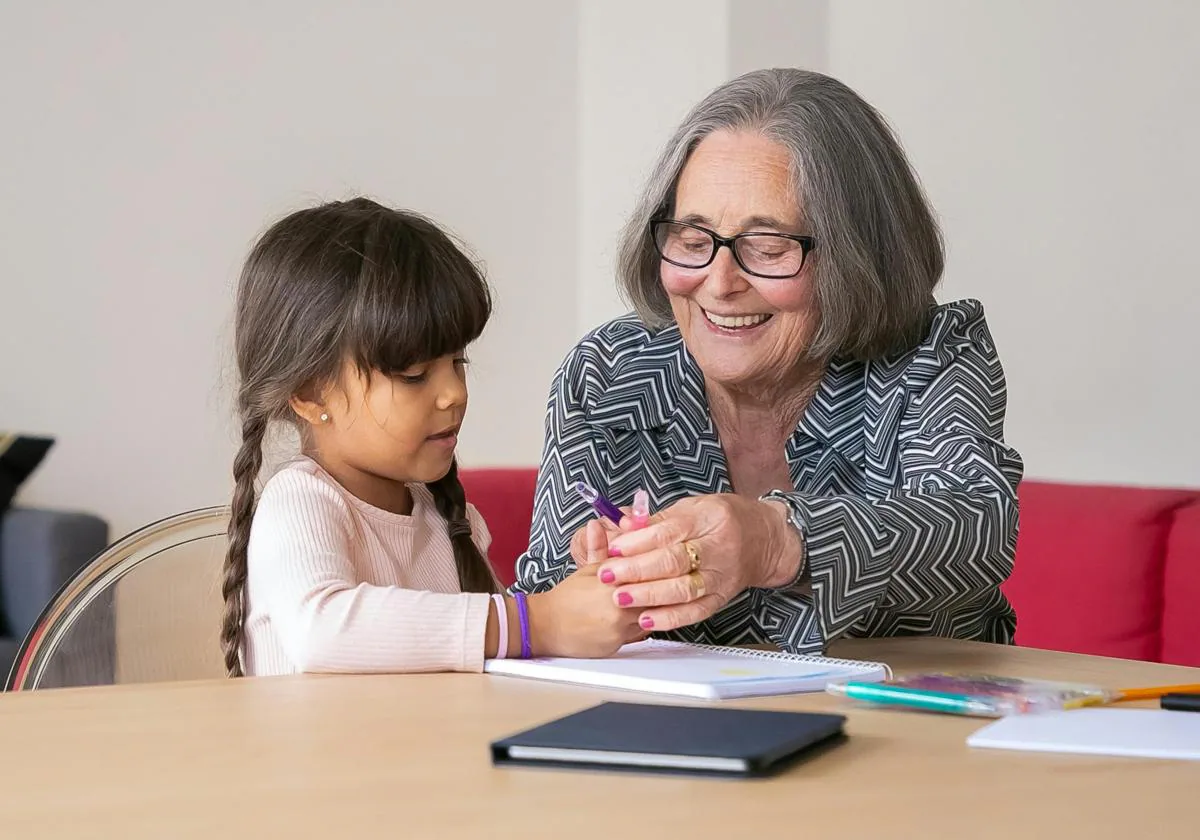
523 616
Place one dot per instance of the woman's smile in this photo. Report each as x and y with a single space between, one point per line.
735 323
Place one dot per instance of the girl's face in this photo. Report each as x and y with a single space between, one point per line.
383 431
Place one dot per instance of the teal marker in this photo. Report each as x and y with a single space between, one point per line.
917 698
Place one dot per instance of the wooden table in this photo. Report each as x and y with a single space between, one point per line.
406 756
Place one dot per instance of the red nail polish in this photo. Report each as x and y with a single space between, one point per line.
606 576
647 622
624 599
613 551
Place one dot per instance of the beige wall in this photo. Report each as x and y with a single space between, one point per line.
1059 142
144 148
641 66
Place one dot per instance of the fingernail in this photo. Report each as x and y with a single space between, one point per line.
647 622
641 506
624 599
607 576
613 551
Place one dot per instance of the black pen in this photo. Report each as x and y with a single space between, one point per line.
1180 702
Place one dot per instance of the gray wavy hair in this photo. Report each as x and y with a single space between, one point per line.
879 252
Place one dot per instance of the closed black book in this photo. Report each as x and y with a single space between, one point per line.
704 740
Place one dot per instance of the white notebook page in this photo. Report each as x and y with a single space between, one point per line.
664 667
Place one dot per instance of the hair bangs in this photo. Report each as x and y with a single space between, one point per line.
420 297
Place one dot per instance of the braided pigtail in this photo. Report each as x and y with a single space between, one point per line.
233 587
474 573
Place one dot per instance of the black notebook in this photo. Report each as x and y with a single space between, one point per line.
682 739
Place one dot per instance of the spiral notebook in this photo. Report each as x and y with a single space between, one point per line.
707 672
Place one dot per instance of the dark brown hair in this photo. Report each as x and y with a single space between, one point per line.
353 280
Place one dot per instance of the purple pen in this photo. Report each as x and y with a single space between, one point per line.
601 505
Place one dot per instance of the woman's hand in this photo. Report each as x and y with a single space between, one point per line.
700 553
579 617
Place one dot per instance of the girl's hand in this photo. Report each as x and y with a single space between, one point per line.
579 617
590 543
700 554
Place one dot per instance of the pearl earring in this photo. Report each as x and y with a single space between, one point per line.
324 418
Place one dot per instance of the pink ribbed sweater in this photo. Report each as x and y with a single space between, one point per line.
335 584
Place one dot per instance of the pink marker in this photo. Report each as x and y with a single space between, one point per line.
641 509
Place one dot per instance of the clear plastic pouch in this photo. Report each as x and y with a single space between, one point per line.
979 695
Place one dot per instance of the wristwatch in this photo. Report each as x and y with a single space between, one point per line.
795 518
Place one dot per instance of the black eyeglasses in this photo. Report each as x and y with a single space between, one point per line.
775 256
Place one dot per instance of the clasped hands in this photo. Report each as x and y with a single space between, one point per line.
677 568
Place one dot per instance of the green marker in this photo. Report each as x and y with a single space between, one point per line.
933 701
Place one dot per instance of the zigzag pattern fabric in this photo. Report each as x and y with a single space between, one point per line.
904 488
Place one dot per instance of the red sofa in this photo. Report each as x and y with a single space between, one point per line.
1113 571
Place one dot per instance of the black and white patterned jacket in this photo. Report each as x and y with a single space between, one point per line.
905 491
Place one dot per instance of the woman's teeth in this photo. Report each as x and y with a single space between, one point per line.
735 322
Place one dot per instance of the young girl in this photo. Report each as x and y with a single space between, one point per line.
362 554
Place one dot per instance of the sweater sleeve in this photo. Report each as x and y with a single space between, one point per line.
944 541
326 619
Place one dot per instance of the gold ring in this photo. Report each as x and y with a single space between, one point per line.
693 557
698 587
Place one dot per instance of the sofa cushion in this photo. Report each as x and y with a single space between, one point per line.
1181 589
1089 570
504 497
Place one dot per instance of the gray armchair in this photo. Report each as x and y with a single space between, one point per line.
40 550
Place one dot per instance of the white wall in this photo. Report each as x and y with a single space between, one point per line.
143 149
778 33
1058 141
641 67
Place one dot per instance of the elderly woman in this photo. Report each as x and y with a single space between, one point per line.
821 441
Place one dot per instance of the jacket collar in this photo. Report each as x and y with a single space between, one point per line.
661 389
835 416
660 386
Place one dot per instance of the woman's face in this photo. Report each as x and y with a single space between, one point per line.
736 182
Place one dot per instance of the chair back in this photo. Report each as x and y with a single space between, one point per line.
147 609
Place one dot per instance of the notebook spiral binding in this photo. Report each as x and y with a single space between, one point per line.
791 657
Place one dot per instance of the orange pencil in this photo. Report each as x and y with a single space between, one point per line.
1154 693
